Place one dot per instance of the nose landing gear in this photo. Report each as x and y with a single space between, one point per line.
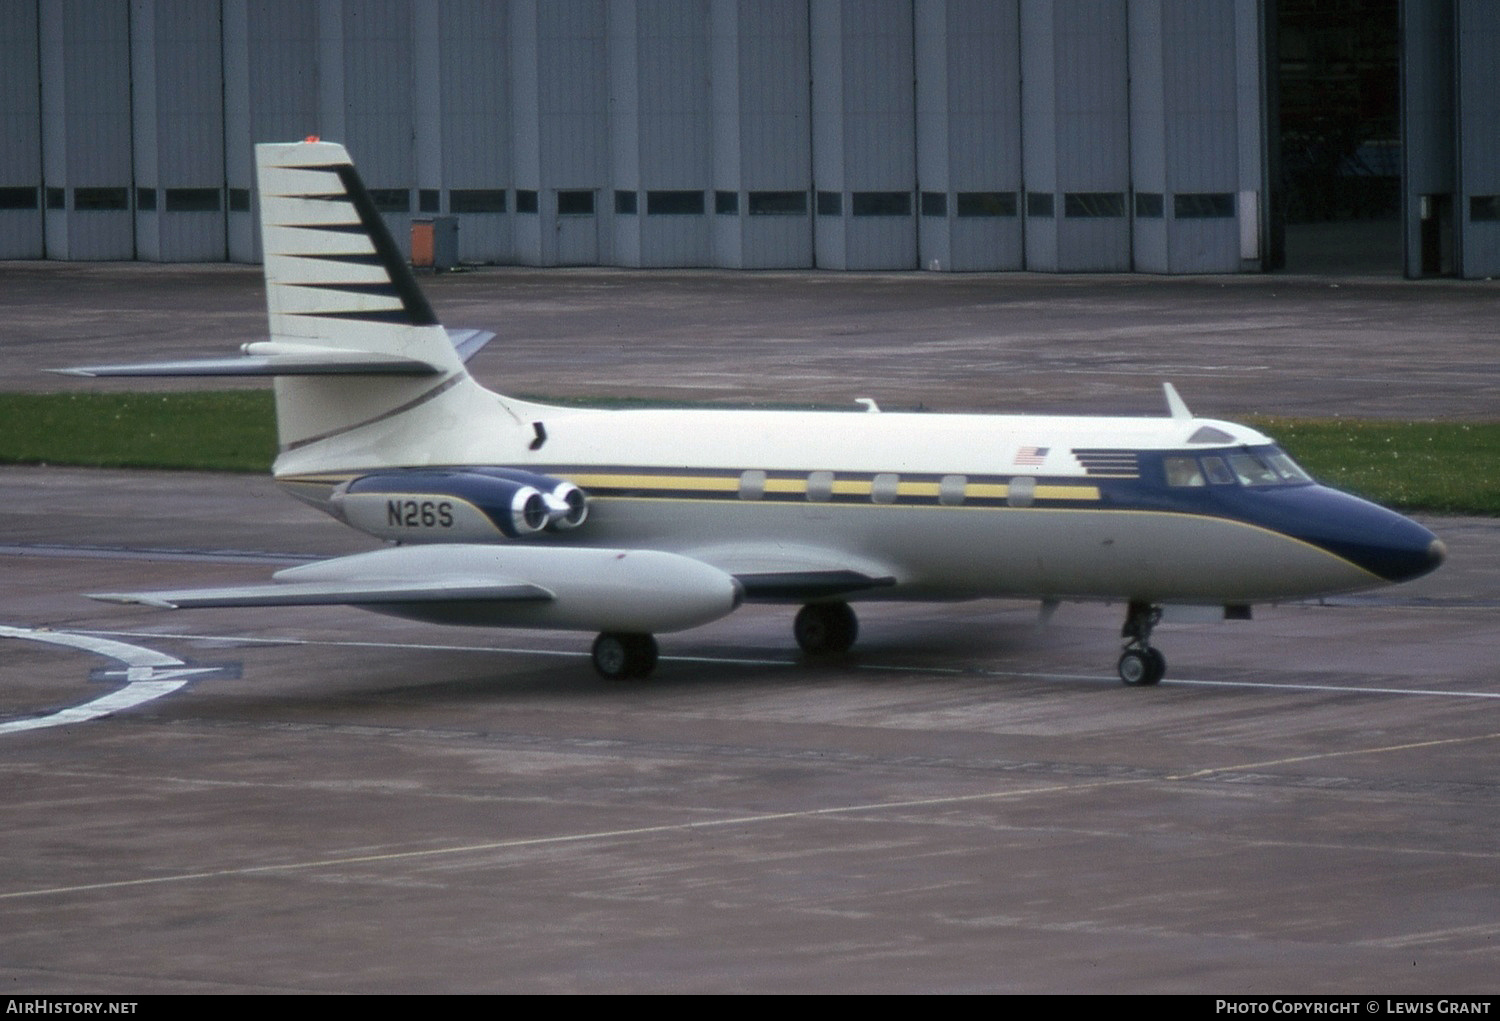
1141 665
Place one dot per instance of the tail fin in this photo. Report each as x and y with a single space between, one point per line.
335 280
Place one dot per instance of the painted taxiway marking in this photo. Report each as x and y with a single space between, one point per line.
146 673
970 671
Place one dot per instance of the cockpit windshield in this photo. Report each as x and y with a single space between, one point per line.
1248 466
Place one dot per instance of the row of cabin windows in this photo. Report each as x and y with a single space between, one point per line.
821 487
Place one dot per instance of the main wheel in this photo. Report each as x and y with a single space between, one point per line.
1142 667
826 628
624 657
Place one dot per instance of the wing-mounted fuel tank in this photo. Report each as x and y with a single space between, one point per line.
459 504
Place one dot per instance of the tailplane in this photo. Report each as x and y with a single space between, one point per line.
354 344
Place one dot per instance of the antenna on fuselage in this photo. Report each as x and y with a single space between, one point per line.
1175 404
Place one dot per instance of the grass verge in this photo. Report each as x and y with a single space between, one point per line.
1442 467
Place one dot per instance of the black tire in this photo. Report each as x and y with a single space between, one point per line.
826 629
619 657
1141 668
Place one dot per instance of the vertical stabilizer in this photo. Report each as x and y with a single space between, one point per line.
336 280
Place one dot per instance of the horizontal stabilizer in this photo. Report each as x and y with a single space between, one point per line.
286 358
350 593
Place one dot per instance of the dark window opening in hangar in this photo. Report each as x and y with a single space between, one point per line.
1337 71
575 202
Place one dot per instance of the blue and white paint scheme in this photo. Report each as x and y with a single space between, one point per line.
505 512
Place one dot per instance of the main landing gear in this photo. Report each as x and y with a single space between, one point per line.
620 657
826 629
1140 664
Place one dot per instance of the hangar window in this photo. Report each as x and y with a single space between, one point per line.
820 487
625 203
778 203
1093 204
986 203
145 200
830 203
239 200
726 203
1203 205
17 198
1038 203
192 200
885 487
674 203
1484 208
880 203
934 203
57 198
429 200
391 200
575 202
101 198
525 200
951 490
1148 205
476 200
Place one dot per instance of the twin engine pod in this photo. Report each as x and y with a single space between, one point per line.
459 505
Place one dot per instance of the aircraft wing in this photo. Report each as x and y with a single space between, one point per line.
350 593
507 585
795 574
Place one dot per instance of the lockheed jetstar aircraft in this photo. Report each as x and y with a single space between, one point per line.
508 513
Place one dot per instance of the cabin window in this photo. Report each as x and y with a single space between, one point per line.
951 490
885 487
820 487
1021 492
752 485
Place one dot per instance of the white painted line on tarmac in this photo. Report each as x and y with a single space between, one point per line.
147 674
974 671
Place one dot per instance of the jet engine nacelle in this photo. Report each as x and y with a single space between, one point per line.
459 505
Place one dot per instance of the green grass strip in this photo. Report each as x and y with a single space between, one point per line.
1442 467
231 430
1439 467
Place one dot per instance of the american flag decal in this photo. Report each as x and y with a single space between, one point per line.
1031 457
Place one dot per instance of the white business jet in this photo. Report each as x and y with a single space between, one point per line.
508 513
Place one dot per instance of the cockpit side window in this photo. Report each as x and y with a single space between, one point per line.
1252 471
1218 472
1261 466
1183 471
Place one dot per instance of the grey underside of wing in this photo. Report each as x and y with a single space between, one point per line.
776 586
314 593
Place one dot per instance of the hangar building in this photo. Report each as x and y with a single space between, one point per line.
1044 135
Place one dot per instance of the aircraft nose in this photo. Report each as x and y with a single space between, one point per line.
1397 548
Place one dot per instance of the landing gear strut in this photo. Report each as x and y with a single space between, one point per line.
1140 664
825 629
623 656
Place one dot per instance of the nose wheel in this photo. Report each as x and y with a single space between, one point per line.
1141 665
